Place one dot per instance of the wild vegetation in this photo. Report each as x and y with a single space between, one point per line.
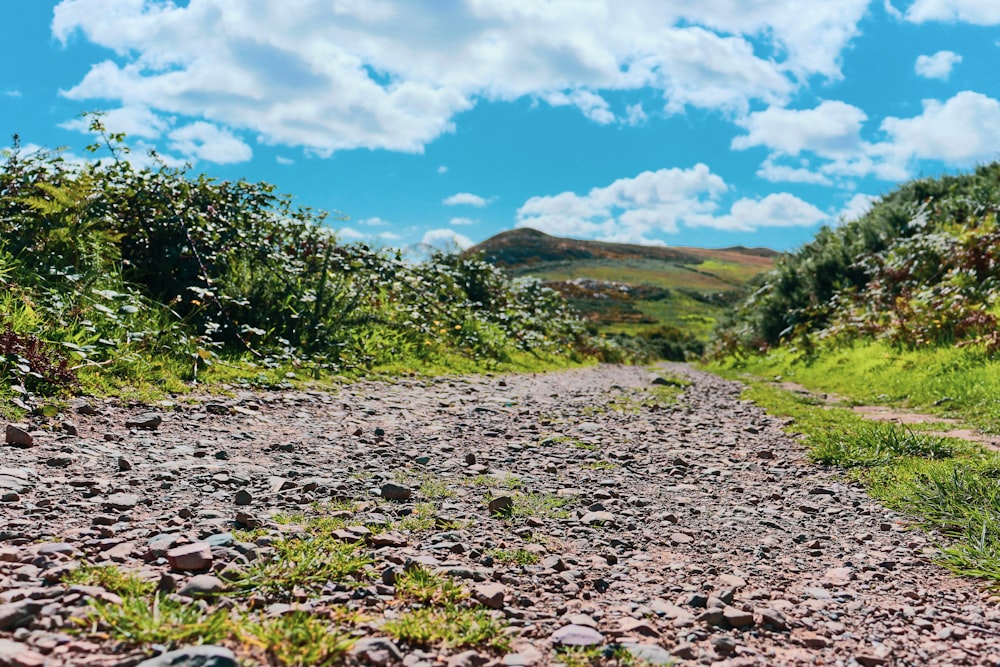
898 307
658 302
113 274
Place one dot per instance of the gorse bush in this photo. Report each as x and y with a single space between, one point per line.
921 268
113 269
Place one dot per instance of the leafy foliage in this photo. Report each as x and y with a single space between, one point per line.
125 269
920 269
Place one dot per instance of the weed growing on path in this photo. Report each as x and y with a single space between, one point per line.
296 639
451 626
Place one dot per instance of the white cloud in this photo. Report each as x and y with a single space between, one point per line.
775 210
465 199
629 209
592 105
349 234
831 129
777 173
979 12
134 121
856 207
446 239
393 75
462 221
374 221
442 169
284 161
633 210
205 141
635 115
962 131
891 10
12 92
937 66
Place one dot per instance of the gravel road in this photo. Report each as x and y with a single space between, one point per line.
686 533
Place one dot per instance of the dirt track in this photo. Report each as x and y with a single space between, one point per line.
695 533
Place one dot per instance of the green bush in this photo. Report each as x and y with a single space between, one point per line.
119 270
920 268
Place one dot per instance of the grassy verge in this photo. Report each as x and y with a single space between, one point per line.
953 382
949 486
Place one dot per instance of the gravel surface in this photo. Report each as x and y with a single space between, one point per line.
692 533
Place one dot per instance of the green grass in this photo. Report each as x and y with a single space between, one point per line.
544 505
450 626
158 620
954 382
298 639
947 485
306 564
420 584
514 556
110 578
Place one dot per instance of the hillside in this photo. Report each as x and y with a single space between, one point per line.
634 289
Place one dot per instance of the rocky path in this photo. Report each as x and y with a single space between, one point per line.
647 533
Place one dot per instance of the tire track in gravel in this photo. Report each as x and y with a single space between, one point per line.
695 533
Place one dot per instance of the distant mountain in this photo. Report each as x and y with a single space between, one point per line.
632 289
526 247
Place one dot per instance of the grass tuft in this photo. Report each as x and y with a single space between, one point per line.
451 626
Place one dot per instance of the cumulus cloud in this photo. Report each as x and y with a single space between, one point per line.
775 210
349 234
961 131
856 207
461 222
938 65
635 210
629 209
635 115
393 75
135 121
831 129
979 12
205 141
12 92
442 169
466 199
779 173
446 239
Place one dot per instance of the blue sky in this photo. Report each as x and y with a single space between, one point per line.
679 122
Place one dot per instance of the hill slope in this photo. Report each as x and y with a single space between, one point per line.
626 288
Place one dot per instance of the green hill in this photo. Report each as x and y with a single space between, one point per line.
632 289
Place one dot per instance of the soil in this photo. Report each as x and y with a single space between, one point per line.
693 533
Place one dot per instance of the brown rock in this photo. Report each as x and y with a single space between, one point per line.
195 557
490 595
18 437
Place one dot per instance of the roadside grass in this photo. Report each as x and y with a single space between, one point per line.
949 486
957 382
